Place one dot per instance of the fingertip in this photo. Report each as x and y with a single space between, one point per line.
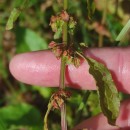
12 65
15 66
35 68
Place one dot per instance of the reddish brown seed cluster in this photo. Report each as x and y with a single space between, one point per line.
57 22
60 49
65 16
69 52
57 49
59 97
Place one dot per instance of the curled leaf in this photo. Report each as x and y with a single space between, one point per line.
13 17
22 5
108 94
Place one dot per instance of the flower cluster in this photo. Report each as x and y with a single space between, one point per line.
58 21
61 50
58 98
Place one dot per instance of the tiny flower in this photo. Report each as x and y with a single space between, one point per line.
52 44
65 16
59 97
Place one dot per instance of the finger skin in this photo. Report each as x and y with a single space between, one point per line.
43 69
99 122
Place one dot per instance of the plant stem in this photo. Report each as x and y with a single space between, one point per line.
46 116
65 4
62 71
100 42
116 7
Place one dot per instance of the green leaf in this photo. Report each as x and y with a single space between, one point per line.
85 97
13 17
28 40
93 103
108 94
2 125
122 35
24 4
21 116
44 92
57 28
58 34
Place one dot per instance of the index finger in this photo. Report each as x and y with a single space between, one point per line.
43 69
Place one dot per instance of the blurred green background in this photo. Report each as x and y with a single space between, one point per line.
23 107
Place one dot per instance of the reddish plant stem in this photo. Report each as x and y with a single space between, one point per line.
62 71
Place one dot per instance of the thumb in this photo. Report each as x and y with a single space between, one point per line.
99 122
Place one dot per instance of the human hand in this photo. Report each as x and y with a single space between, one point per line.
43 69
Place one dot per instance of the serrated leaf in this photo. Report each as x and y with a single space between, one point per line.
13 17
108 94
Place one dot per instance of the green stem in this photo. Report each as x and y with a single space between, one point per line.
46 116
65 4
100 42
65 41
62 71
